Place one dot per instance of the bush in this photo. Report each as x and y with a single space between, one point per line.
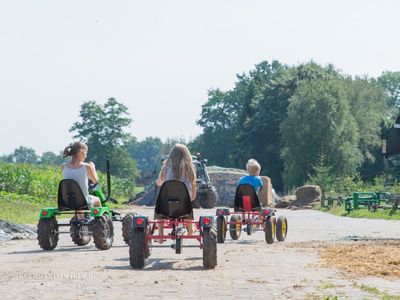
42 181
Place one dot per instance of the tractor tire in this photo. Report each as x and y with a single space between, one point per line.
221 229
196 202
209 248
209 198
103 232
126 227
269 229
281 228
77 236
235 229
137 253
47 233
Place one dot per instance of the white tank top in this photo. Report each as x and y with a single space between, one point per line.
80 176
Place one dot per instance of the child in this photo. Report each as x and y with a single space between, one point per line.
253 168
179 166
80 171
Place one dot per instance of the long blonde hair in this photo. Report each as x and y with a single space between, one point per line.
180 160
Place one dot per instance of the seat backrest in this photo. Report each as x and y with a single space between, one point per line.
173 201
246 198
70 196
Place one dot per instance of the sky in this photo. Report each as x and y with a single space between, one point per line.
159 58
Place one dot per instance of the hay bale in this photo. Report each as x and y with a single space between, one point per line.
225 181
307 195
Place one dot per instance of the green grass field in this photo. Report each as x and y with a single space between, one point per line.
23 209
362 213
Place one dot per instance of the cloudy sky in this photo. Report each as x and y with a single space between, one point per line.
159 58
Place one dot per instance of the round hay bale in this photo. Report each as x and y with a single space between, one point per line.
307 195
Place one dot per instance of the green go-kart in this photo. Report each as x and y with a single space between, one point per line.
85 222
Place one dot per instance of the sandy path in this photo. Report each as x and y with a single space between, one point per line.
246 268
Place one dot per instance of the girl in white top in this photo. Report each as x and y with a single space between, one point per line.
80 171
179 166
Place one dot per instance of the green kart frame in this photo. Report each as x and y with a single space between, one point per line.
97 221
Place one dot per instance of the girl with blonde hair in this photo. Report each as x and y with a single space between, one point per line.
179 166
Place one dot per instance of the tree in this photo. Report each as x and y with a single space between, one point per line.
219 121
50 158
322 175
319 124
24 155
146 154
391 83
103 129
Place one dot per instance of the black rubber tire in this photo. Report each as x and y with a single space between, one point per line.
221 229
103 232
137 253
235 230
396 201
77 235
281 228
209 198
269 229
178 245
209 248
126 227
196 202
47 233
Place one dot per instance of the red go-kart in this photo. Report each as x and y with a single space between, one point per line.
249 213
174 212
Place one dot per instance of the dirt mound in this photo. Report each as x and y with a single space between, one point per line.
10 231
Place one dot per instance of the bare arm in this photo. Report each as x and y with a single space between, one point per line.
193 195
161 177
91 171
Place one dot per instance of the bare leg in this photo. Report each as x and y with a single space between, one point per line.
161 231
189 227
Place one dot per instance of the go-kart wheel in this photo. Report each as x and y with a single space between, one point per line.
235 229
221 229
248 229
78 236
47 233
209 248
137 251
269 229
103 232
178 245
126 227
281 228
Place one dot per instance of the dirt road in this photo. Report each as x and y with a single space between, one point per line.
248 268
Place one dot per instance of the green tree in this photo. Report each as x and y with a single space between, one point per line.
146 154
24 155
103 129
322 175
319 124
50 158
391 83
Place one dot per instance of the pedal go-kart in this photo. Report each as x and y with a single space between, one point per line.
173 210
249 213
97 221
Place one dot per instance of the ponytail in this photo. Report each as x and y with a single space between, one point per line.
74 148
67 151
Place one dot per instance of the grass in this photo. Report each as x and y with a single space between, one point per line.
23 209
362 213
375 291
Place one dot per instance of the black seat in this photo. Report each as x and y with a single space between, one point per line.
246 199
173 201
70 196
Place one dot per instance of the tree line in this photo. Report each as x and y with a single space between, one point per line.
296 120
303 123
